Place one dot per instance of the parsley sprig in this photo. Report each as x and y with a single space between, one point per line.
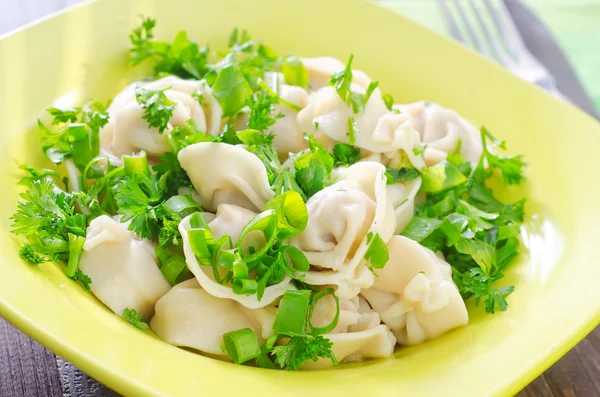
460 216
342 81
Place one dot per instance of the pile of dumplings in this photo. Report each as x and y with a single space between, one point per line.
410 300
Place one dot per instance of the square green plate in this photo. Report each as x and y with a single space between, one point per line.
82 53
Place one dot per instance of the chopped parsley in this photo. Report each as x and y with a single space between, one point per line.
158 109
344 154
342 81
460 217
134 318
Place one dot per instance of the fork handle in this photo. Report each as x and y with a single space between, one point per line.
547 83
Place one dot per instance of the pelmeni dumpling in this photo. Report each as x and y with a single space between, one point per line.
376 128
320 69
189 316
355 314
127 132
359 333
212 109
402 196
441 129
289 138
229 221
339 219
204 276
223 173
122 267
375 342
414 293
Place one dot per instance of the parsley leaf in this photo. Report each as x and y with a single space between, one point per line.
83 278
138 199
135 319
183 57
158 109
344 154
394 175
300 349
510 167
231 88
342 81
78 138
29 254
313 168
294 71
261 108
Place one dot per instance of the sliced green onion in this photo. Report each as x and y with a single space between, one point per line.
292 215
377 254
175 269
75 251
181 206
136 164
329 327
198 221
394 175
388 100
224 257
352 130
294 71
203 245
242 345
244 286
299 262
240 270
266 222
92 165
162 254
442 176
420 228
292 312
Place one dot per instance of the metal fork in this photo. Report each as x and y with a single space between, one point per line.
498 40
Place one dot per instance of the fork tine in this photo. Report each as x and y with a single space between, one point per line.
505 27
494 41
470 30
450 22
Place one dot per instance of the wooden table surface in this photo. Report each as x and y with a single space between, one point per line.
28 369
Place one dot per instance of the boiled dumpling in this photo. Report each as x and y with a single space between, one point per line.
320 69
189 316
223 291
212 109
339 219
414 293
223 173
122 267
376 128
127 132
376 342
402 196
355 314
229 221
289 137
441 130
358 335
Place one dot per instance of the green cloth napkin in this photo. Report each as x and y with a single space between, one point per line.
574 23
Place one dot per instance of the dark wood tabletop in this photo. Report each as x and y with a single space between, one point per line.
28 369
